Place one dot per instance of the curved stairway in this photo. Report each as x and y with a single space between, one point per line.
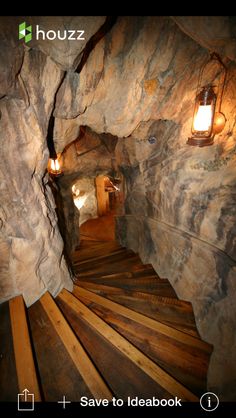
122 332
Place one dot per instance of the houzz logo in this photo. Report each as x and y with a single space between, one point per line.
71 35
25 32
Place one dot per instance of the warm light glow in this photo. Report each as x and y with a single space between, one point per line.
75 190
78 197
80 201
219 122
203 118
54 166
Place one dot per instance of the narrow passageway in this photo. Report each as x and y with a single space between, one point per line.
109 204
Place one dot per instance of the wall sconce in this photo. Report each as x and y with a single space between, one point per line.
208 119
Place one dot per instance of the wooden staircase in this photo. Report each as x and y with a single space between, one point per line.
122 332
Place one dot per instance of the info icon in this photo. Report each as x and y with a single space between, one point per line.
209 401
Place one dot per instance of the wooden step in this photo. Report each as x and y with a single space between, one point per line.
88 251
170 311
101 258
97 248
170 332
119 278
153 286
82 362
25 367
162 378
132 264
183 356
58 374
168 314
113 260
8 375
123 376
90 239
143 273
185 363
126 291
143 284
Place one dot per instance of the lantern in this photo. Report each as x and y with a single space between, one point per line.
208 119
54 166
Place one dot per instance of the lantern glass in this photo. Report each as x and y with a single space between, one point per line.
203 119
202 126
54 167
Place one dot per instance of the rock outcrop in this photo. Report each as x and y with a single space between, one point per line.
85 200
216 33
29 224
30 76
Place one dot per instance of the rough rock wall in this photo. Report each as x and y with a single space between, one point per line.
137 72
180 216
31 245
140 81
29 224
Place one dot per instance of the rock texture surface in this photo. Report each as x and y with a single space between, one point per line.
84 193
31 245
29 225
128 78
217 33
176 210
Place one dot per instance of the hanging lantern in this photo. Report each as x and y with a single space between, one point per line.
208 119
54 166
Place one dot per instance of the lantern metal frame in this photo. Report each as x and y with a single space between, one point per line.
206 96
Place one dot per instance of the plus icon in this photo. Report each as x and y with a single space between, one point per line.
64 402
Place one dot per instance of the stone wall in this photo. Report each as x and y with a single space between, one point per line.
30 75
29 224
85 199
180 216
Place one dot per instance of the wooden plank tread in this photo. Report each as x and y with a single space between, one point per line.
101 257
114 257
25 368
187 364
155 299
135 355
80 358
142 319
